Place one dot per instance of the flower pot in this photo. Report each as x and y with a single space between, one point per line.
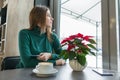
76 66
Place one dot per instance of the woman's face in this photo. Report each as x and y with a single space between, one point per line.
49 19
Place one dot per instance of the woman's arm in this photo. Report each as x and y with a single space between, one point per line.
24 48
56 46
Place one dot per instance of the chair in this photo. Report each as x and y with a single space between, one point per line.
10 62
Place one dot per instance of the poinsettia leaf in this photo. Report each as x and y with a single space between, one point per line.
71 55
81 59
85 52
64 44
92 41
93 47
77 41
93 53
64 54
81 46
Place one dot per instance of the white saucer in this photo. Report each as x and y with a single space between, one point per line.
46 74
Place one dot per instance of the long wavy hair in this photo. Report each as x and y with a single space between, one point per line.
38 16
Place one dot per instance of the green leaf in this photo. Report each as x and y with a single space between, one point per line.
92 53
64 54
90 45
85 52
89 51
71 55
92 41
81 59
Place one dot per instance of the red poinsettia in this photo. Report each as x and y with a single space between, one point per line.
77 47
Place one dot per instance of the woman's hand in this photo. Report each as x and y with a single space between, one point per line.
44 56
60 62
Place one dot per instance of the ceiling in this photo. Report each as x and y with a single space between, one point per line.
89 10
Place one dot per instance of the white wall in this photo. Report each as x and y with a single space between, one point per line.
17 18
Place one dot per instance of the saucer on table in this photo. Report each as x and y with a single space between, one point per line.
44 74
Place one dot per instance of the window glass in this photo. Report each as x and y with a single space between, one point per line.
83 17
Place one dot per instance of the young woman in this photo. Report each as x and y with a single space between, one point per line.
39 43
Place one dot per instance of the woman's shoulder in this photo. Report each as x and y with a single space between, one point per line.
24 30
54 35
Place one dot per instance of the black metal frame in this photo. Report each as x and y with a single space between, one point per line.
42 2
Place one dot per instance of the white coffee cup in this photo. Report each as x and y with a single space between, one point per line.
44 67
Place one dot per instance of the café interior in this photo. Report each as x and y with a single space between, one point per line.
14 17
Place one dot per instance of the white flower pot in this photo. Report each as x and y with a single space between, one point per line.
76 66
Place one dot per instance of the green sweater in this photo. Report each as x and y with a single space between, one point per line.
31 43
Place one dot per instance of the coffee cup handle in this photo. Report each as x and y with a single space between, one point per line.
37 66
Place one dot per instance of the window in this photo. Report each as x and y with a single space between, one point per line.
83 17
